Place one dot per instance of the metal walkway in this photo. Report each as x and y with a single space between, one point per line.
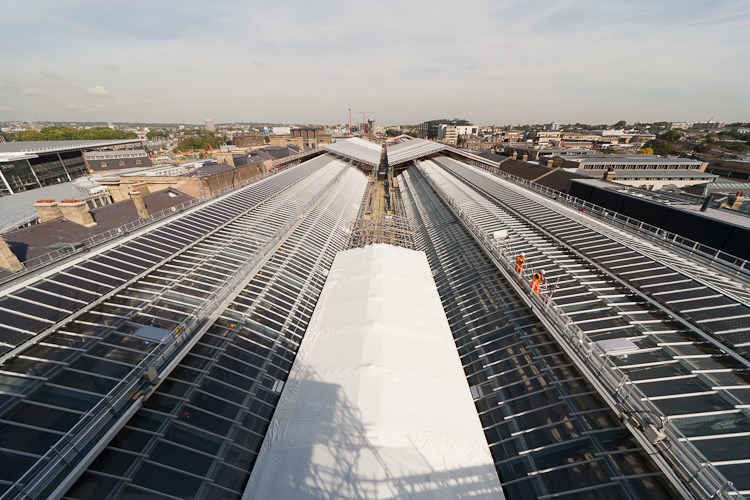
549 430
71 387
199 433
677 358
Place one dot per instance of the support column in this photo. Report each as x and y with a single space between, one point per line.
63 166
31 167
5 181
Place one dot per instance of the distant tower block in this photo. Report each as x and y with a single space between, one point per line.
209 125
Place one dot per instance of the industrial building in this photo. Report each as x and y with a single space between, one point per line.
100 161
357 326
639 170
34 164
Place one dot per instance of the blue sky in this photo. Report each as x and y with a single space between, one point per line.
307 61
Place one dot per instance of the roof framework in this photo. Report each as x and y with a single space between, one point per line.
536 408
203 427
611 285
156 285
217 299
367 152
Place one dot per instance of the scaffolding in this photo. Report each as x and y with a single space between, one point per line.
381 218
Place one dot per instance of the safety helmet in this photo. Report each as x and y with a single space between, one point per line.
543 271
523 254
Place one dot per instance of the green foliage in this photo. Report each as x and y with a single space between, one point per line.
646 151
74 134
157 134
620 124
733 134
201 140
738 147
671 136
392 132
660 147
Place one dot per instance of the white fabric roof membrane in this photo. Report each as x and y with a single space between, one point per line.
357 149
377 404
369 152
411 150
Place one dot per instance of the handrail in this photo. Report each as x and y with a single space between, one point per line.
106 236
688 462
736 263
133 386
298 156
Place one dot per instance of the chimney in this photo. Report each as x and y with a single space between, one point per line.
113 187
47 210
8 259
77 211
515 155
140 206
609 175
525 158
550 163
735 201
141 187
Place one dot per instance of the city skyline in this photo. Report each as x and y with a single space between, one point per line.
294 62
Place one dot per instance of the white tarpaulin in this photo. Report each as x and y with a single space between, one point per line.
377 404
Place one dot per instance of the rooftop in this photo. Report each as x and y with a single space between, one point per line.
166 353
726 216
629 159
657 173
369 152
34 241
17 209
379 406
30 149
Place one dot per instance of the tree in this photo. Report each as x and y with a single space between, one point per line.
671 136
660 147
157 134
646 151
202 140
74 134
620 124
392 132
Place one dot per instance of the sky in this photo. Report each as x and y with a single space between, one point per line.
403 62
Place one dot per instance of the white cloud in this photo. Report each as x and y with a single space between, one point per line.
6 108
98 91
75 106
488 61
32 91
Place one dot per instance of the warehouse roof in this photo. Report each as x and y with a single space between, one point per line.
625 159
25 149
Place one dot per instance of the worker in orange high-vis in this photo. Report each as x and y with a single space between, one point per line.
520 261
536 281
